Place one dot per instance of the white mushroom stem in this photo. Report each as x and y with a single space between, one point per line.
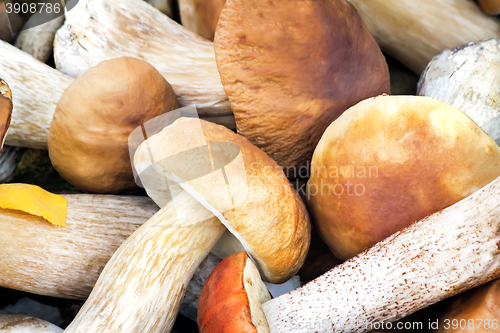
97 30
414 32
8 162
38 41
36 89
442 255
467 78
20 323
142 285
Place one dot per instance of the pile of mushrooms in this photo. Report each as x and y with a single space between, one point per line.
296 81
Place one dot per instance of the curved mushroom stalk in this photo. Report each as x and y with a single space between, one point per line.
141 287
36 89
441 255
20 323
5 111
97 30
414 34
467 78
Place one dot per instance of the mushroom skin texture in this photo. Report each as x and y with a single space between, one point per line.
490 7
20 323
5 111
231 298
391 160
290 69
468 78
478 306
201 16
414 34
88 136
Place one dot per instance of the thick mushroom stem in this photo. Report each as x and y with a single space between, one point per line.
142 285
414 34
437 257
20 323
97 30
36 89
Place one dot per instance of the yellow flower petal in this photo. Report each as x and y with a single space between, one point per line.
35 201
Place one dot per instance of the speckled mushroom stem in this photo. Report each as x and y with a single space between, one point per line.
97 30
36 89
439 256
414 33
20 323
142 285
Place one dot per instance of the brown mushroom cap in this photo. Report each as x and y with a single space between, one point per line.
5 111
88 137
243 187
291 67
206 16
475 311
388 162
225 303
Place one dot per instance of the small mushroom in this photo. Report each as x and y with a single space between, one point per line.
88 137
142 285
414 34
291 69
391 160
437 257
231 298
20 323
5 111
490 7
468 78
97 30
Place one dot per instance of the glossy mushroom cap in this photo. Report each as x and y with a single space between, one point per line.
5 111
231 298
239 184
291 67
390 161
88 137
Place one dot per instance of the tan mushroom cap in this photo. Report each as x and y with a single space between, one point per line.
479 306
291 67
5 111
390 161
88 137
207 16
241 185
491 7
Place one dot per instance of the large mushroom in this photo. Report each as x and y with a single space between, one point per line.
437 257
391 160
88 136
290 68
142 285
468 78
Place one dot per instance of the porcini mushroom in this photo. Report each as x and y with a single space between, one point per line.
467 78
5 111
290 70
141 286
20 323
96 226
97 30
231 298
414 34
391 160
88 136
439 256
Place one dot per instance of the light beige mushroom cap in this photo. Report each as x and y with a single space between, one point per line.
241 185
